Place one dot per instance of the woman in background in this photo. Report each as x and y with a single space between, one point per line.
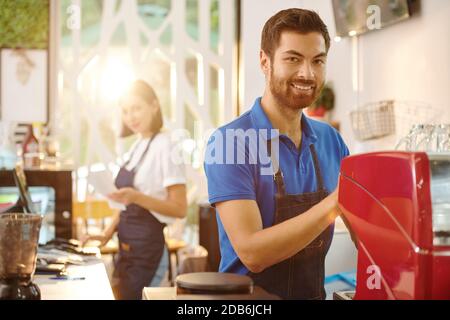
152 187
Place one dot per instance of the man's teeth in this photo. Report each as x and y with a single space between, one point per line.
302 87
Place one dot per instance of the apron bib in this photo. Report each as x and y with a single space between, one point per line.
141 241
302 275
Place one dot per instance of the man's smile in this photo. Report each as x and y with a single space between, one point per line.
303 88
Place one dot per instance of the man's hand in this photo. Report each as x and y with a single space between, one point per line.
331 203
336 211
125 196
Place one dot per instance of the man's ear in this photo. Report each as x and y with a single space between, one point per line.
264 62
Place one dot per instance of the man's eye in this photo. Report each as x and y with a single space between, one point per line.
292 59
319 62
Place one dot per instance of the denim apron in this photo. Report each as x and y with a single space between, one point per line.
302 275
141 241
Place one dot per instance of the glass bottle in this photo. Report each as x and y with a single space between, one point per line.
30 149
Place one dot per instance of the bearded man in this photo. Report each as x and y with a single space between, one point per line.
277 228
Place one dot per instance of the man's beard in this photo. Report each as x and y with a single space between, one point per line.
285 94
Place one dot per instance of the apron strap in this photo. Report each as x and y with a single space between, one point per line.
278 176
320 184
142 156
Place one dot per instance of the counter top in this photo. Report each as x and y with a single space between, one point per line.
95 285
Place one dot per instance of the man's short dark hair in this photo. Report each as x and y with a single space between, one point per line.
294 19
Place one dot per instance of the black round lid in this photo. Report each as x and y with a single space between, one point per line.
214 282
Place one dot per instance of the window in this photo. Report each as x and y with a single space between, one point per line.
186 49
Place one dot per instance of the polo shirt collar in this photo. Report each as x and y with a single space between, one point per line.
261 121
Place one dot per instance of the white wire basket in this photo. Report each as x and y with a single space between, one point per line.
373 120
391 117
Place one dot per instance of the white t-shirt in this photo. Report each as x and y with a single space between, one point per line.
157 170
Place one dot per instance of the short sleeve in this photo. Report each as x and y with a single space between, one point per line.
343 147
226 181
173 170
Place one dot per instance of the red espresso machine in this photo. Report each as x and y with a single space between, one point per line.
397 205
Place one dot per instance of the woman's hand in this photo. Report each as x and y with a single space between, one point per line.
102 238
125 196
106 235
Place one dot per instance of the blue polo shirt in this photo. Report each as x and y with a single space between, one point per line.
235 171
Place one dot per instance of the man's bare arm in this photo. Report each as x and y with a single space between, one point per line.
260 248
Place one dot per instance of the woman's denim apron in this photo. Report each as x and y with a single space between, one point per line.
141 241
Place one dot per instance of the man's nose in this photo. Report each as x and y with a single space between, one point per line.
306 72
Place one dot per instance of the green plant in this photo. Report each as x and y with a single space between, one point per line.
326 99
24 24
